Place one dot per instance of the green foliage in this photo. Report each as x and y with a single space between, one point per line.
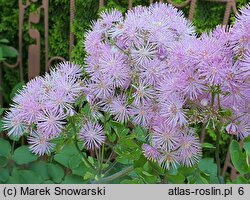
22 155
5 148
55 172
239 158
6 51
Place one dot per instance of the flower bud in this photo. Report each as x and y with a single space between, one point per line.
232 129
204 102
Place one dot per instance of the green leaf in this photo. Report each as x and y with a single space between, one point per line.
9 52
40 168
241 180
208 146
186 171
13 180
247 145
201 180
29 177
176 179
14 138
22 155
24 177
147 177
134 181
3 161
1 126
72 179
139 133
4 175
1 54
66 153
48 182
118 127
5 41
140 162
75 161
55 172
238 158
80 170
1 111
5 148
207 166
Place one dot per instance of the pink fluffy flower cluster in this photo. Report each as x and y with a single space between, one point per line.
42 106
150 68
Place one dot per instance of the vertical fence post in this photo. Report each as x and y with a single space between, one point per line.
227 12
101 3
71 37
46 32
130 4
192 10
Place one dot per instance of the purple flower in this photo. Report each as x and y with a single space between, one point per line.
113 66
109 17
13 123
143 54
189 150
143 93
166 137
150 152
39 144
191 84
153 73
101 87
68 85
140 114
243 129
92 135
169 160
51 123
172 110
240 32
69 69
119 108
58 100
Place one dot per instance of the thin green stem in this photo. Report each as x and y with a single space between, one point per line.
217 153
117 175
101 151
110 156
213 97
83 157
98 157
110 168
218 98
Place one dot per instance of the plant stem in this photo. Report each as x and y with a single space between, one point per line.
83 157
110 168
217 154
13 147
101 151
110 156
122 173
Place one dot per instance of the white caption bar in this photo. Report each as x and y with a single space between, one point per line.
121 191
